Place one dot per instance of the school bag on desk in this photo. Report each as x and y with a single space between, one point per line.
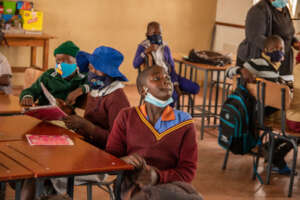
237 130
208 57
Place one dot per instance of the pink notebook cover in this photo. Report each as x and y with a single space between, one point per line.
50 112
49 140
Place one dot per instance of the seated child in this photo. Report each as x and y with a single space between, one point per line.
160 142
267 67
106 97
105 100
293 113
5 75
64 82
155 47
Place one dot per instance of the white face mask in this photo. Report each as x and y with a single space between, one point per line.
155 101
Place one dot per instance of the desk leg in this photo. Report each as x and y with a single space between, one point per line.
211 85
45 55
2 190
117 186
70 186
18 190
224 88
217 97
204 103
33 56
38 187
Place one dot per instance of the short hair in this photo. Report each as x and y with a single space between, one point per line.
152 24
140 80
271 41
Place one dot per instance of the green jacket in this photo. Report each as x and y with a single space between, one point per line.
57 86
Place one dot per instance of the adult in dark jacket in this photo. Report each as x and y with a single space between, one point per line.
266 18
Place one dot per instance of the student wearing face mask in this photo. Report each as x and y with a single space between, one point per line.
64 82
267 67
266 18
105 100
106 96
157 50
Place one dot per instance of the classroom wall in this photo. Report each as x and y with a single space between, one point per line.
227 39
121 24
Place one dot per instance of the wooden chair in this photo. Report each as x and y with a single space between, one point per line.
31 75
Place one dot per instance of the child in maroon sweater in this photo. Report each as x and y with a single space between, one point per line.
106 97
159 141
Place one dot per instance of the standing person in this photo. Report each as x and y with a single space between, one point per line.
266 18
158 49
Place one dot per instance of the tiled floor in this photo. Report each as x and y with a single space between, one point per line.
235 183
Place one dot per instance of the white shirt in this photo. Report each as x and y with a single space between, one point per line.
5 69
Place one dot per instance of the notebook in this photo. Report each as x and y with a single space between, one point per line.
47 112
49 140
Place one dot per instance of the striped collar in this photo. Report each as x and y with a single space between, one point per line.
167 115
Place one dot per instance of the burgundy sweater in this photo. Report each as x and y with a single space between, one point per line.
102 111
173 152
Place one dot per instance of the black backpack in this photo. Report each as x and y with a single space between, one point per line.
208 57
237 129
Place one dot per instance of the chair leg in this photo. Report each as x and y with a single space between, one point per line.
255 166
225 160
89 188
111 192
2 190
292 176
270 156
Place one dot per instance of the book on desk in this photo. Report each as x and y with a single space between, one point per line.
46 112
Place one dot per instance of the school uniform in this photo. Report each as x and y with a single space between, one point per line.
162 57
102 109
5 69
57 86
262 68
169 146
259 67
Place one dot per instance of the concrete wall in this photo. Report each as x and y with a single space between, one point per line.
121 24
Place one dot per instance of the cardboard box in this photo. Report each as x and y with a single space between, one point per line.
32 20
273 93
9 7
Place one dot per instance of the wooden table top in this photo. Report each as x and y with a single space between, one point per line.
179 58
81 158
27 36
9 104
14 127
11 169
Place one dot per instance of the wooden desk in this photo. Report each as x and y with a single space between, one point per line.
33 41
9 104
63 161
15 127
205 109
11 170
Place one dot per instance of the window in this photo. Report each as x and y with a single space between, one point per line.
292 6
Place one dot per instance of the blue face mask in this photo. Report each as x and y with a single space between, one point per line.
98 82
155 39
275 56
65 69
157 102
280 3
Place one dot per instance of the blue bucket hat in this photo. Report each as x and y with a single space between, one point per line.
104 59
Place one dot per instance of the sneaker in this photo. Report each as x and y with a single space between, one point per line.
283 171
